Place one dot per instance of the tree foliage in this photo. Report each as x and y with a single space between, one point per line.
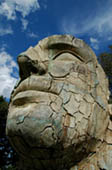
106 62
7 154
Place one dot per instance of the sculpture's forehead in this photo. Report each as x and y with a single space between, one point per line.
68 42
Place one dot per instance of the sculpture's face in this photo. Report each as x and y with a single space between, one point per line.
60 102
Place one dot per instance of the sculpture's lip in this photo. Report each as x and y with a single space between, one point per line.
37 84
32 96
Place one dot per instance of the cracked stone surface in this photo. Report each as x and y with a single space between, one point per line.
59 117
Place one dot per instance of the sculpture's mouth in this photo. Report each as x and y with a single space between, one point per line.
32 96
36 89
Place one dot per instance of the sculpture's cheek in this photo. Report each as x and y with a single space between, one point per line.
98 118
38 124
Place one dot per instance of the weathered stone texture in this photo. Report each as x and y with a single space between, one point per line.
59 117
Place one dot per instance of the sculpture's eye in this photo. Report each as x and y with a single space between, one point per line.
66 62
67 56
63 64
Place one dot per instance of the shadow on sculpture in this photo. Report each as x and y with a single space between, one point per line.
59 117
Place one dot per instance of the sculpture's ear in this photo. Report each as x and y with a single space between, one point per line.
109 129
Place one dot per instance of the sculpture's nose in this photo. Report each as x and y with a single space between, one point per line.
28 67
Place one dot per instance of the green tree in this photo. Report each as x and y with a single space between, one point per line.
7 154
105 59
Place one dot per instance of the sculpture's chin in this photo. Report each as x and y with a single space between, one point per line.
35 123
38 137
42 129
37 131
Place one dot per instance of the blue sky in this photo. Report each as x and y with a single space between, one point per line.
24 22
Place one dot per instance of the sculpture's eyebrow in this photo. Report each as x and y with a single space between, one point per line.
59 48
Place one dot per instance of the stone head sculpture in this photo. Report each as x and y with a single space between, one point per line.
59 110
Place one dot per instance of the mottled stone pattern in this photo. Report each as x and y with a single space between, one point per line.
59 117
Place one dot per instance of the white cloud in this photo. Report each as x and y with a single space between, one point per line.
32 35
7 66
24 23
9 8
103 24
94 43
4 31
99 22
